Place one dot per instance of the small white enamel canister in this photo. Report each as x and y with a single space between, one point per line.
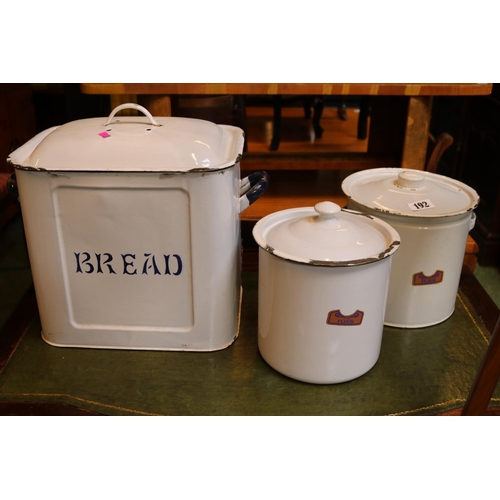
323 280
133 231
433 214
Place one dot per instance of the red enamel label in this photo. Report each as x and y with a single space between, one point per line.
337 318
421 279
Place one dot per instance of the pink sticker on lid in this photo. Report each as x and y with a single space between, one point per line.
104 134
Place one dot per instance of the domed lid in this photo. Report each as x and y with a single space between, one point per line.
407 192
326 236
132 144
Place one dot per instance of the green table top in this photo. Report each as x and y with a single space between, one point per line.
419 372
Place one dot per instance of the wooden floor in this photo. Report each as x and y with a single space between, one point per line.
297 136
299 188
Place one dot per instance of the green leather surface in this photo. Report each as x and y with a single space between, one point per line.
419 372
15 272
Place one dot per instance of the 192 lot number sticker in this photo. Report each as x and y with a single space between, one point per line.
418 206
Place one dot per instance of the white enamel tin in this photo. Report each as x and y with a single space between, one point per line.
323 280
433 215
133 231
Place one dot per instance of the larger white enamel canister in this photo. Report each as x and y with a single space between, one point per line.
323 280
433 214
133 231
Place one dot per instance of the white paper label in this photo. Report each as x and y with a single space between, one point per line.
418 206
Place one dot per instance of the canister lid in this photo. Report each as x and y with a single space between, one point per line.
132 144
410 192
326 235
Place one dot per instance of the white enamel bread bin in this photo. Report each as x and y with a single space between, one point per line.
133 231
323 280
433 215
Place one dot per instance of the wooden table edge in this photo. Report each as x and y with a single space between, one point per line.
373 89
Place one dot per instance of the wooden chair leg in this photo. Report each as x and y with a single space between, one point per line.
443 142
486 379
275 142
364 113
308 104
342 109
318 111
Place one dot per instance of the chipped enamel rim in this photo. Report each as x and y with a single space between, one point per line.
391 175
267 223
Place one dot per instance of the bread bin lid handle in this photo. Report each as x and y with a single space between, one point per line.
131 105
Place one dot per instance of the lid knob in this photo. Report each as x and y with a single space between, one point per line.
327 210
410 179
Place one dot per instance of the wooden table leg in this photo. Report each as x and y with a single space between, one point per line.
417 131
116 99
157 105
486 378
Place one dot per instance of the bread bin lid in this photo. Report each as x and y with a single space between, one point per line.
412 193
132 144
326 235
